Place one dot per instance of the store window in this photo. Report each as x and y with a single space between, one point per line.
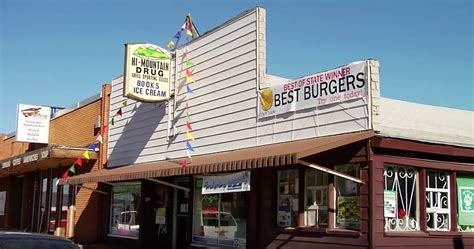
52 206
220 215
125 210
465 201
288 189
400 198
347 198
64 206
316 198
437 201
43 216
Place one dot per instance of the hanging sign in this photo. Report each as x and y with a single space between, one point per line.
236 182
465 200
33 123
147 73
334 86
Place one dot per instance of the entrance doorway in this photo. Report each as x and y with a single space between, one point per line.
181 211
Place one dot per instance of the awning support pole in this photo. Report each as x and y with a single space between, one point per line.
330 171
167 184
93 190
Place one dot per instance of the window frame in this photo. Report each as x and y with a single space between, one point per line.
111 199
438 210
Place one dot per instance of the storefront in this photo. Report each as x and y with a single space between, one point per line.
241 159
32 200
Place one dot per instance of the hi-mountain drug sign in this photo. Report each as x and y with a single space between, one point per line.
147 73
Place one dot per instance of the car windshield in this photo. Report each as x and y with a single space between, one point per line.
22 243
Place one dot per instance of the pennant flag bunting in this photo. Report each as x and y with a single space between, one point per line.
92 147
73 169
188 116
184 26
177 35
102 130
189 32
189 136
189 89
189 64
189 79
187 154
119 112
99 138
188 72
124 103
170 44
86 154
78 162
111 122
189 146
65 175
184 163
188 126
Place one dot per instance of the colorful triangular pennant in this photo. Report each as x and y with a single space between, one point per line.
189 64
188 116
124 103
73 169
189 79
92 147
188 154
188 72
170 44
188 126
177 35
86 154
189 146
65 175
119 112
184 163
78 162
102 130
189 89
189 136
99 138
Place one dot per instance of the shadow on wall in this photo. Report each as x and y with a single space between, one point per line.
137 131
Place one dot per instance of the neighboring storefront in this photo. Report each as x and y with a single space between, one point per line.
32 200
241 159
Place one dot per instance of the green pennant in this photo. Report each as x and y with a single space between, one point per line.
73 169
189 117
111 122
189 64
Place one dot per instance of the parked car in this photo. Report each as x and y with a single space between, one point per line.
20 240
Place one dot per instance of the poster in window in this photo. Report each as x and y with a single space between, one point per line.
465 200
348 209
389 203
3 195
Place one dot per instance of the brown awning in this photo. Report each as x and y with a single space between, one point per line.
43 158
256 157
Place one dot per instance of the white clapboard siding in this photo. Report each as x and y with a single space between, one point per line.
223 106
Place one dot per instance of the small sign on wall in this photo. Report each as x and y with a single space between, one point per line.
389 204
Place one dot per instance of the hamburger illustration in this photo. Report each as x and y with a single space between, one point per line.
266 98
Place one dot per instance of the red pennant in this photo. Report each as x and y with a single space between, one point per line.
65 175
119 112
189 26
188 125
185 163
188 73
102 131
79 162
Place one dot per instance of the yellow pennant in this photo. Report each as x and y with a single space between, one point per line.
189 79
189 136
86 154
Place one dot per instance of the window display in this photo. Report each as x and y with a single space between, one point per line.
220 219
288 189
347 198
125 210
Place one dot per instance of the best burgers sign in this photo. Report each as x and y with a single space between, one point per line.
334 86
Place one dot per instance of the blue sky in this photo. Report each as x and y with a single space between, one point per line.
56 53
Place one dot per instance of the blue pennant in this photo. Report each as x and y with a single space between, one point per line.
190 147
190 90
92 147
